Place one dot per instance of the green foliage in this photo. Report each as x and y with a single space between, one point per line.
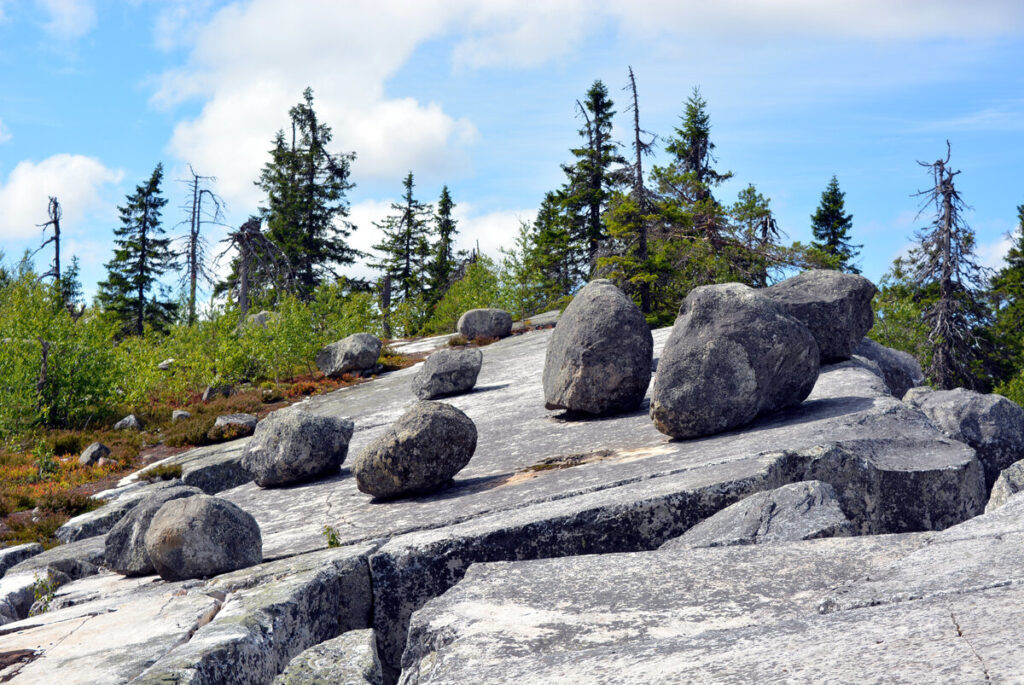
46 465
442 263
1007 289
899 308
520 289
306 208
43 590
161 472
478 288
140 258
405 246
331 536
831 226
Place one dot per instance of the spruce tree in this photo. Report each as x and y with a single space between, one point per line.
141 256
306 206
758 234
442 265
831 226
405 246
558 266
1008 291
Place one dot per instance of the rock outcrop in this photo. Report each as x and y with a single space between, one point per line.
291 446
125 544
901 371
798 511
732 356
350 658
201 536
599 356
421 452
835 306
232 426
485 323
356 353
447 372
10 556
1008 484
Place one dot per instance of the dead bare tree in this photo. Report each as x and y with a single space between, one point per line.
197 270
641 196
257 255
55 213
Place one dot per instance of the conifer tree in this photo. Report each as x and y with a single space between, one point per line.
306 208
442 264
405 246
831 226
141 256
1008 291
559 270
759 235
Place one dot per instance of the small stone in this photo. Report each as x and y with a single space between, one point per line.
129 423
202 536
447 372
125 550
731 357
105 461
232 426
180 415
93 453
292 446
1008 484
420 453
165 365
598 360
213 391
485 323
835 306
357 352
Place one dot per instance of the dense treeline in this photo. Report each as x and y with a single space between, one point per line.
656 230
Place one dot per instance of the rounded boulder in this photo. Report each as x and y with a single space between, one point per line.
202 536
291 446
835 306
447 372
731 356
125 544
599 356
421 452
485 323
357 352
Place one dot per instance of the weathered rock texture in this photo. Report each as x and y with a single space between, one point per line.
202 536
93 453
357 352
424 450
835 306
291 446
211 469
350 658
599 357
1008 484
991 424
731 357
798 511
99 521
447 372
901 371
9 556
232 426
485 323
220 390
125 544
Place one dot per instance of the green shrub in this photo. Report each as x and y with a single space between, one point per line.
161 472
478 288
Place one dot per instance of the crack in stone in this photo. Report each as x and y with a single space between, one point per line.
960 634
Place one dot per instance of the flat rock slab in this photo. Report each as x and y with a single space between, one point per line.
349 659
211 469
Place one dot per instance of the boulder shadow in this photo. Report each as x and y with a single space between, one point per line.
570 416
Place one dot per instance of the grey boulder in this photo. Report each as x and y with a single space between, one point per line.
421 452
357 352
165 365
798 511
485 323
220 390
292 446
180 415
731 356
93 453
447 372
125 550
1008 484
128 423
599 357
991 424
231 426
835 306
901 371
201 536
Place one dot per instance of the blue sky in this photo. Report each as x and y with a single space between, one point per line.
479 94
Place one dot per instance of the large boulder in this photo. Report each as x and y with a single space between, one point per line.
93 453
447 372
991 424
798 511
357 352
901 371
835 306
421 452
731 356
125 545
202 536
232 426
485 323
599 356
292 445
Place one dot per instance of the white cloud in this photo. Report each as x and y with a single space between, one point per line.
5 133
992 254
68 19
490 231
77 181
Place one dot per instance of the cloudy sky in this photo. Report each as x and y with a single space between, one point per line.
479 94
